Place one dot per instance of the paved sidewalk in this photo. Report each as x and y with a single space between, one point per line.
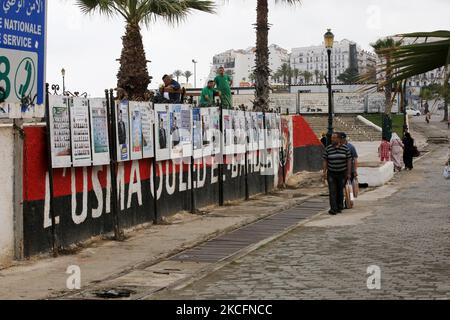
105 260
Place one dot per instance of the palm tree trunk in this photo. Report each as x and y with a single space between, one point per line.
262 70
133 78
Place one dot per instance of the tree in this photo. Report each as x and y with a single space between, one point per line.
187 74
316 73
350 76
384 48
285 72
421 57
307 76
177 74
262 70
295 74
133 77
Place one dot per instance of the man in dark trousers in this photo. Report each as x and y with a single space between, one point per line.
337 164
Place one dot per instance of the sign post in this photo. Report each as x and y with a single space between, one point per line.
23 51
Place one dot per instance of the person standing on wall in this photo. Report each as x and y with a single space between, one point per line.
223 85
337 164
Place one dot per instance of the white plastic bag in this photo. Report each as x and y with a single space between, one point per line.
446 173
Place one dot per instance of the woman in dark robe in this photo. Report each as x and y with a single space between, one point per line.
408 153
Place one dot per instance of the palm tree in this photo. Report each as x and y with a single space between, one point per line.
133 78
419 58
285 72
384 49
316 73
350 76
177 74
295 74
262 70
187 74
307 76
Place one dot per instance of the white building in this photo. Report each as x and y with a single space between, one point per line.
345 54
240 63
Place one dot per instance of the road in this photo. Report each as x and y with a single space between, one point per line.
402 228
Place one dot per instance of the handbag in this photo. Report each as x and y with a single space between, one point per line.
446 173
349 197
416 152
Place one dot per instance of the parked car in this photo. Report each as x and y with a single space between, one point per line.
413 112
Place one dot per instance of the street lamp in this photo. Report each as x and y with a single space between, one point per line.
63 73
195 72
329 41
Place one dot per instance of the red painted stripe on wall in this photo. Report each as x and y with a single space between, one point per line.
303 134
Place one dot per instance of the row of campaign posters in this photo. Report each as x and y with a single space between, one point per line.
79 131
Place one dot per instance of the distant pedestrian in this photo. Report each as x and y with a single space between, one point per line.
384 150
397 152
324 139
408 151
336 169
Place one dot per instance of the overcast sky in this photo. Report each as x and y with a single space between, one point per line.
88 46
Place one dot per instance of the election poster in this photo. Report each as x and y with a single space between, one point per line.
207 131
197 133
148 120
180 131
136 130
228 132
252 132
162 129
269 132
122 131
276 130
59 116
99 133
215 128
81 135
240 132
261 133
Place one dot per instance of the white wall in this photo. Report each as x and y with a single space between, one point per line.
6 196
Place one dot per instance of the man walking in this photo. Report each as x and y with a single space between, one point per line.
354 153
337 170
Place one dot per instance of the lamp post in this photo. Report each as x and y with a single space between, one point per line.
63 73
329 41
195 72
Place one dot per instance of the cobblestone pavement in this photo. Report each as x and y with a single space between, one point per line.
403 228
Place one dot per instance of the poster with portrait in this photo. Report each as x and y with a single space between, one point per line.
59 116
276 143
240 134
207 131
180 131
269 130
148 120
81 133
215 128
162 131
228 132
252 131
99 132
122 131
136 143
261 133
197 132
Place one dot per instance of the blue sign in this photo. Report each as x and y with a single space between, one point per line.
23 49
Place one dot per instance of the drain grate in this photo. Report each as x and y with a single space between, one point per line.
226 245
